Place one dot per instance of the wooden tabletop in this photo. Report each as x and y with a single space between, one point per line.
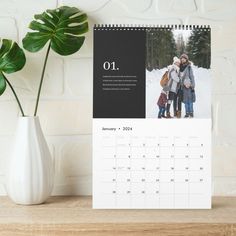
62 216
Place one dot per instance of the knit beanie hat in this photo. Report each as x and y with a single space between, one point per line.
184 55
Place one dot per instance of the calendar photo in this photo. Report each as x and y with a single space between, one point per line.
178 81
151 117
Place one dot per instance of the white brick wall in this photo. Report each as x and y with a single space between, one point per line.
66 105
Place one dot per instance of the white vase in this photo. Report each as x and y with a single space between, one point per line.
30 175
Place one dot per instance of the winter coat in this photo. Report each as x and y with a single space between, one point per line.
188 93
162 99
173 83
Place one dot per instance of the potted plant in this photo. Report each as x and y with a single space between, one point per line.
31 169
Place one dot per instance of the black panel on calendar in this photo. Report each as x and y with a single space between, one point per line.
119 72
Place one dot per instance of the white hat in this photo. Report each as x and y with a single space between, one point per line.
176 60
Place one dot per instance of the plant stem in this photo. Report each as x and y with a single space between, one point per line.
41 80
17 99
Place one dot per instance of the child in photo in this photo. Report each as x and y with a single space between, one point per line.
162 101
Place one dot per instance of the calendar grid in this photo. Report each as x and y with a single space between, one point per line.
158 171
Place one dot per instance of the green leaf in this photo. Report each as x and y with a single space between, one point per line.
62 27
12 59
3 84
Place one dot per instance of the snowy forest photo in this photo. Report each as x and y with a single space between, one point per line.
164 47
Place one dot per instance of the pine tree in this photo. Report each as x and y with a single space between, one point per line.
160 48
199 49
180 45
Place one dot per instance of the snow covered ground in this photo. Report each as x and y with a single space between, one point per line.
202 106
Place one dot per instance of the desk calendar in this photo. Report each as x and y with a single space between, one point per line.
151 117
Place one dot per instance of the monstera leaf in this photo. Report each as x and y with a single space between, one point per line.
63 28
12 59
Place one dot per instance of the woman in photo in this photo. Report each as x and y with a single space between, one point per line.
173 84
187 85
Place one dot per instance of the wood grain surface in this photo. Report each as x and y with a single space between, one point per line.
61 216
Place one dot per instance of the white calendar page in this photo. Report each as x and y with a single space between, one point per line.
151 137
137 164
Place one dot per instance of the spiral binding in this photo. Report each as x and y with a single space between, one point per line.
149 27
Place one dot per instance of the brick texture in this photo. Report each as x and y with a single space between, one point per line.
65 109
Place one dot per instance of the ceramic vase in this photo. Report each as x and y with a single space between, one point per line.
30 172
